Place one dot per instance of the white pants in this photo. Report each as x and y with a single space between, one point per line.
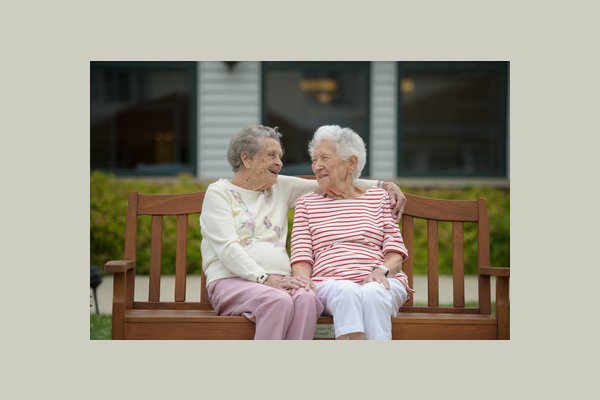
364 308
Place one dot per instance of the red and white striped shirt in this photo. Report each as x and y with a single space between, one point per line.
345 238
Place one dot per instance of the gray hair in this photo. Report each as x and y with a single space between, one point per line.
247 141
347 143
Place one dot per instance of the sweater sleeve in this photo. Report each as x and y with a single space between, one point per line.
218 229
392 239
295 187
301 244
366 183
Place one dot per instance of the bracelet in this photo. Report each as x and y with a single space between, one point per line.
380 184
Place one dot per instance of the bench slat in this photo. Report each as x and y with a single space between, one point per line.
407 267
181 257
483 258
433 295
170 204
441 210
207 316
458 265
155 258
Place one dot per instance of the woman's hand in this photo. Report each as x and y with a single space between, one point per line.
377 275
307 282
286 283
302 272
397 199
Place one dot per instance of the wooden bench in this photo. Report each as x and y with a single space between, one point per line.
181 319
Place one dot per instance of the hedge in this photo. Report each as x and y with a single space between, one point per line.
108 205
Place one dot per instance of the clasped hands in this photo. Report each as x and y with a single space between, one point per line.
290 283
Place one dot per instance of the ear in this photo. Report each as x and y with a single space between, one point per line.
352 164
245 159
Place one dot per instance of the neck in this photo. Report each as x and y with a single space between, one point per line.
245 180
347 192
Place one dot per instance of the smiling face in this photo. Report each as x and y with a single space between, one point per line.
264 167
332 173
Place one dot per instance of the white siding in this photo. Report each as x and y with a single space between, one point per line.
383 148
227 101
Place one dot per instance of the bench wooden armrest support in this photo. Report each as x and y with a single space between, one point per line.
116 266
123 285
502 300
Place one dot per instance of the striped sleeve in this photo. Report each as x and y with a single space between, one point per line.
301 243
392 239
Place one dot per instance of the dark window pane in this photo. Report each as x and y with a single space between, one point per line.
301 96
452 119
142 117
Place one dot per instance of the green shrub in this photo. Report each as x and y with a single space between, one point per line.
108 205
498 204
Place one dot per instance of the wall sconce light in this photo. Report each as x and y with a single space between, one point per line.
322 89
407 85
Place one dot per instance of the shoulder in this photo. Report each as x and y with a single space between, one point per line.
216 186
376 194
309 198
218 189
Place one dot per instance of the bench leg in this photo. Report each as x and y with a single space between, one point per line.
502 308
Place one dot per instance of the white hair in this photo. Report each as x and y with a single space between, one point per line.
347 143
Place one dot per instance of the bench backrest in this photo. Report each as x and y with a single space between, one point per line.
433 211
456 212
157 206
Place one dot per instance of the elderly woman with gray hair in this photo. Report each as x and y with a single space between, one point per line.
346 242
244 231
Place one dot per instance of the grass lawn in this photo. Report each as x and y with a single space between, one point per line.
100 325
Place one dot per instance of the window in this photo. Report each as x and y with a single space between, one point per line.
142 117
452 118
298 97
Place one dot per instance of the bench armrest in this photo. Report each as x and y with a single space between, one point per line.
119 266
502 299
495 271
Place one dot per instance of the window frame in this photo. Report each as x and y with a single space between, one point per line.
503 67
318 66
192 67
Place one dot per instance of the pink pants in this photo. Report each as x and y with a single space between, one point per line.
277 314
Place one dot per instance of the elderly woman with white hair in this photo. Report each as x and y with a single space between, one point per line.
244 231
346 242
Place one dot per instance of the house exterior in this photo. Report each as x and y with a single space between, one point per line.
420 120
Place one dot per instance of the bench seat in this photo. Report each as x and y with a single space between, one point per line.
206 324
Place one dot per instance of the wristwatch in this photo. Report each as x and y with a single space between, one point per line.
383 268
262 278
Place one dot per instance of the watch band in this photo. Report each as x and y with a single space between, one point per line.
383 268
262 278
